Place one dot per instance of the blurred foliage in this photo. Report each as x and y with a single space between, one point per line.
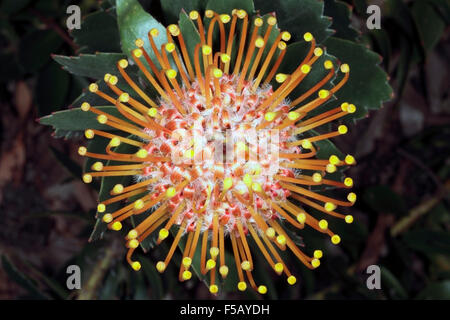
403 177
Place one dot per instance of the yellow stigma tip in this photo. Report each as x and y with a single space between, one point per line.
259 42
117 189
227 183
348 182
152 112
351 108
124 97
206 50
262 289
187 262
269 116
136 266
278 267
241 14
328 64
225 58
160 266
349 159
187 275
323 224
210 264
301 217
225 18
242 286
281 239
123 63
97 166
308 36
345 68
259 22
93 87
163 233
107 218
193 15
217 73
170 192
334 160
170 47
89 134
171 74
256 187
286 36
270 232
85 106
174 30
335 239
315 262
329 206
351 197
209 13
293 115
133 234
154 32
116 226
115 142
281 77
247 180
306 144
142 154
87 178
342 129
323 94
306 68
113 80
292 280
101 207
318 254
214 252
272 21
223 270
317 177
137 53
330 168
139 43
102 119
245 265
282 45
82 151
133 243
349 219
106 77
213 289
139 204
318 52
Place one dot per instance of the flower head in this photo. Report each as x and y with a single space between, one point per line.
220 103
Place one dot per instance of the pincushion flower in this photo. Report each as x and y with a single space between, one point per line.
223 152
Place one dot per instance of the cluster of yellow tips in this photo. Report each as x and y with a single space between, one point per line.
221 90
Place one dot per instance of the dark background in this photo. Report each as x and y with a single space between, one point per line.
402 178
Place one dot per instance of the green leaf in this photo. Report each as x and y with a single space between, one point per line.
153 277
299 17
226 6
388 279
383 199
428 242
173 8
10 7
22 280
51 89
99 32
36 47
78 120
428 22
341 12
107 184
135 23
91 65
435 291
367 86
